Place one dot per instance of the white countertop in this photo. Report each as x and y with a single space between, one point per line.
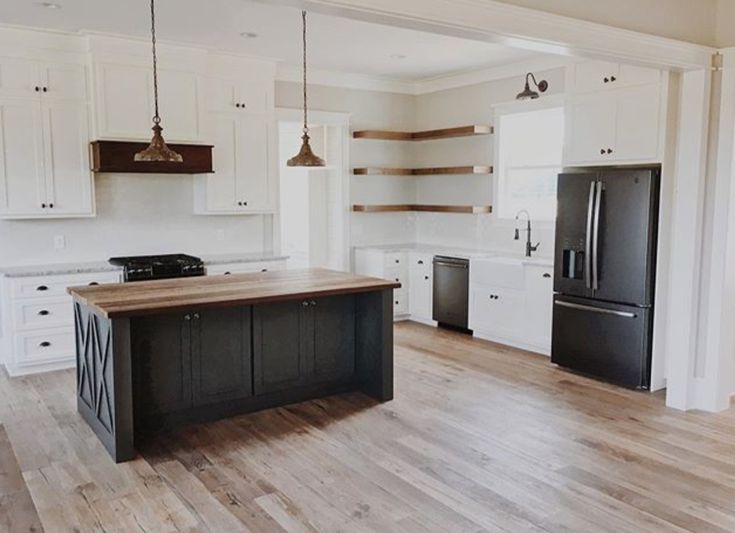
465 253
59 269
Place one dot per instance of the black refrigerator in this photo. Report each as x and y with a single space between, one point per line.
604 273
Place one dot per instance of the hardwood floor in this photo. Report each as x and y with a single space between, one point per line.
479 438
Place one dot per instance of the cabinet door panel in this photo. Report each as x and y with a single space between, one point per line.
161 348
253 184
278 349
124 102
496 311
68 177
64 82
221 189
637 125
334 338
18 77
591 128
420 292
222 95
539 304
179 105
22 184
254 96
221 355
590 76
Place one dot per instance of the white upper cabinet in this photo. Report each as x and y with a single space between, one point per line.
609 123
242 181
125 103
44 162
239 95
591 76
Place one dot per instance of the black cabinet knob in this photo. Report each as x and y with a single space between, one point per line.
43 312
43 206
602 151
613 78
426 277
398 280
239 203
45 89
609 150
237 105
42 288
45 344
51 206
606 80
396 302
244 203
37 88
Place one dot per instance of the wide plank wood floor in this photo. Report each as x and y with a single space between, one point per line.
479 438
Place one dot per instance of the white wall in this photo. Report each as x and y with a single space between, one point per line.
369 110
136 214
469 105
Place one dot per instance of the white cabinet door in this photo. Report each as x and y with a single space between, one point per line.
420 287
68 176
18 77
637 124
539 304
22 183
238 95
221 187
591 129
124 102
595 75
179 105
496 312
63 82
253 163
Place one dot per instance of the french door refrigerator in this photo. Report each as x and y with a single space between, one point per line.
604 270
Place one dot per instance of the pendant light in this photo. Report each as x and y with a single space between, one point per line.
157 150
305 157
527 93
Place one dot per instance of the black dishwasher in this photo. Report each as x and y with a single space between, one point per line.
451 291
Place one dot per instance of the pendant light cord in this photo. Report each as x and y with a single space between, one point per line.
156 117
306 123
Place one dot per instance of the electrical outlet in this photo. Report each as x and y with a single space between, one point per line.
59 242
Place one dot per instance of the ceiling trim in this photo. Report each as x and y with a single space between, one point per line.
331 78
519 27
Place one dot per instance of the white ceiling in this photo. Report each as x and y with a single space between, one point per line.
334 43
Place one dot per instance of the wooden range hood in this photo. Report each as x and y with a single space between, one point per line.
119 157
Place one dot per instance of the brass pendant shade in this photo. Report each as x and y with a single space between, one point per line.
157 150
305 157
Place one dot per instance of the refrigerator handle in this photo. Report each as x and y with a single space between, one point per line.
600 310
596 236
588 238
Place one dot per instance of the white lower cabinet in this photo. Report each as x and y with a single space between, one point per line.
392 265
38 321
511 303
420 287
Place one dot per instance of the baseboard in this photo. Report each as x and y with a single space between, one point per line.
50 366
514 343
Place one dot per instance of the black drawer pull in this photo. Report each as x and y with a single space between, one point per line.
420 262
44 312
264 270
228 273
93 283
42 288
547 275
45 344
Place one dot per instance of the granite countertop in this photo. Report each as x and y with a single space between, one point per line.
60 269
439 249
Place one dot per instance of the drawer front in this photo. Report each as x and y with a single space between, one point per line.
395 259
420 261
245 268
397 274
50 286
400 302
44 346
37 314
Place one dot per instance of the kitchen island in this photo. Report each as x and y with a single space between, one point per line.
153 355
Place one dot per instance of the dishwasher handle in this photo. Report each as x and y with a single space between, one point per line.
452 262
451 265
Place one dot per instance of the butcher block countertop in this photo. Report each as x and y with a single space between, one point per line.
155 297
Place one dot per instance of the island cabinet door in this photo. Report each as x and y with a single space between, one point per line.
221 355
334 338
279 358
162 365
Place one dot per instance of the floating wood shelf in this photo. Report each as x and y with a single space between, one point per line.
445 133
436 171
469 209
